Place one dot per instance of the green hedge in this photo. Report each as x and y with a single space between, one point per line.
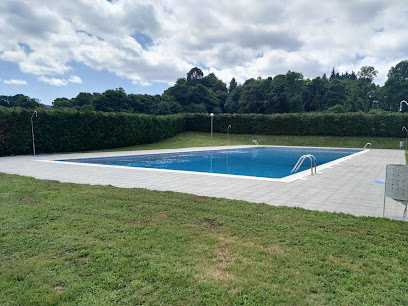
324 124
69 131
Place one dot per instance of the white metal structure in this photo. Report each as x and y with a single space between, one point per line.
301 160
396 185
406 137
228 128
403 101
368 143
212 116
32 130
255 143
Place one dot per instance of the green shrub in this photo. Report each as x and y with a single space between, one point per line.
324 124
66 131
61 130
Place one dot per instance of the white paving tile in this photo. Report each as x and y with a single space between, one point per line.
346 187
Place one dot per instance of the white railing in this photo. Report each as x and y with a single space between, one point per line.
368 143
255 143
301 160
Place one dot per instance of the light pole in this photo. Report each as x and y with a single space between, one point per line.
228 128
406 137
32 129
403 101
212 116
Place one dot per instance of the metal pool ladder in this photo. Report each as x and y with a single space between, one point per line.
368 143
255 143
301 160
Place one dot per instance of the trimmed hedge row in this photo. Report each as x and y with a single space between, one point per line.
323 124
68 131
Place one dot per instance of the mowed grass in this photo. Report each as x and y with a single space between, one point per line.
199 139
97 245
93 245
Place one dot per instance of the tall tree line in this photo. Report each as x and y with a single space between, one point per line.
284 93
19 100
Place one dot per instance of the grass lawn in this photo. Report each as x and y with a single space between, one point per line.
198 139
80 245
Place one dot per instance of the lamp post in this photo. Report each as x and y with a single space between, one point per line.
406 137
228 128
32 129
403 101
212 116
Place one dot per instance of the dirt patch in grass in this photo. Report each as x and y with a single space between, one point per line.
161 216
29 201
59 289
210 223
222 259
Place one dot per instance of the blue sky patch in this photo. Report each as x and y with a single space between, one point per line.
26 48
144 40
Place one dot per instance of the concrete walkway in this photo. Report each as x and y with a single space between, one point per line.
346 187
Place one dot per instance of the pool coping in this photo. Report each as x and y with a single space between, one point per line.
347 187
286 179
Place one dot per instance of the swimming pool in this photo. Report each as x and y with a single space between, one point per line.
268 162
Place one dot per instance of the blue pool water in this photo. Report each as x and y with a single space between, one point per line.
271 162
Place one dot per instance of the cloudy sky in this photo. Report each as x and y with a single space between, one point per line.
51 49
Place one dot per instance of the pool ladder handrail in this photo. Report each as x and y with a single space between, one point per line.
368 143
255 143
301 160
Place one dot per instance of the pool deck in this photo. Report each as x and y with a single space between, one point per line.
347 187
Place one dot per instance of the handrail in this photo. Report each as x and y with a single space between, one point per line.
301 160
255 143
368 143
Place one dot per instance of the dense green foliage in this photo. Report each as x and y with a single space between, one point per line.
65 131
19 101
68 130
284 93
383 124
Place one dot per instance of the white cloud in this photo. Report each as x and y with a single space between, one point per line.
75 79
60 82
15 82
305 36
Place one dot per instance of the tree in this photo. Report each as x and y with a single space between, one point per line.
333 74
145 104
179 92
335 94
209 81
316 89
367 72
356 99
20 100
368 92
252 97
200 94
294 91
194 76
233 85
396 86
118 100
399 72
101 103
220 86
231 104
61 102
83 98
